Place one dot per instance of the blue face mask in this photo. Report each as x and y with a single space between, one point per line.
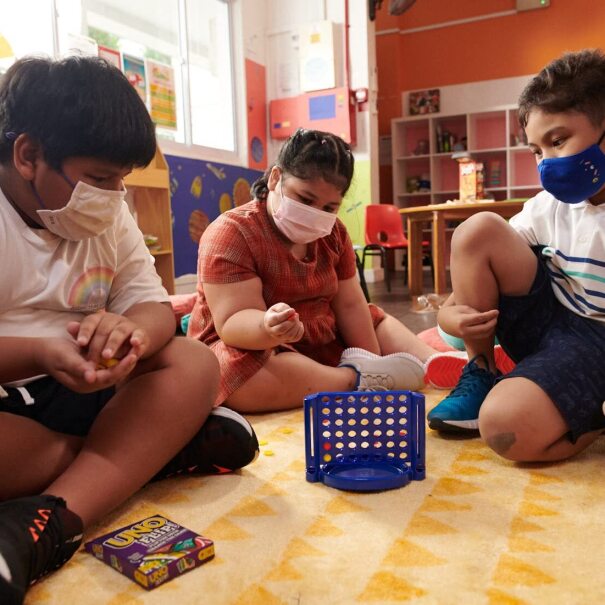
574 178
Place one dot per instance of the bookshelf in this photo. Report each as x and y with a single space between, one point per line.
425 173
149 193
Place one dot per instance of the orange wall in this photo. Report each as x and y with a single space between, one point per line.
493 48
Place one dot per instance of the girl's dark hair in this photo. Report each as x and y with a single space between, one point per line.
309 155
573 82
75 107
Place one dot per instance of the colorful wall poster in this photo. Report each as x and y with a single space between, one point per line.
112 56
162 94
424 101
201 191
134 69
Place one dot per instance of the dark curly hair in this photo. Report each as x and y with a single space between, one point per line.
573 82
75 107
312 154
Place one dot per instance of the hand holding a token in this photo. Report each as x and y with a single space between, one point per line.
113 343
282 322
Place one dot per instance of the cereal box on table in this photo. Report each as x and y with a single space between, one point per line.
152 551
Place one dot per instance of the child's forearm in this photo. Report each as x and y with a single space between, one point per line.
19 358
246 330
449 301
446 321
158 322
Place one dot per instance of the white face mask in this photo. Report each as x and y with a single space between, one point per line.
89 212
300 223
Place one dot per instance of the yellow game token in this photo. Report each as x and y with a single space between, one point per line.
105 364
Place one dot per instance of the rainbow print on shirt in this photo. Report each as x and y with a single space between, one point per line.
91 290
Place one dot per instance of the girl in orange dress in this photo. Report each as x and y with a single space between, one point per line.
279 301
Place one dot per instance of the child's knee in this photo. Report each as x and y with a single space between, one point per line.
505 431
191 354
190 365
477 227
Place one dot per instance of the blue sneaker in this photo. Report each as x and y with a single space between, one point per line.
459 411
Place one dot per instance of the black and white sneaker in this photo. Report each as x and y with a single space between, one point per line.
38 535
225 443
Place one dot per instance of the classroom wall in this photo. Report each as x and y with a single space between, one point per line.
201 191
283 21
503 44
269 31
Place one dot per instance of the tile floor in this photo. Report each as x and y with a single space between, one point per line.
398 303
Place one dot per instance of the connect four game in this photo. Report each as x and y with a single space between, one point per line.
362 441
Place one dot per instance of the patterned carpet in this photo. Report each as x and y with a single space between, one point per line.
477 530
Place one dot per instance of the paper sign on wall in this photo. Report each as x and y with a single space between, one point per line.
317 61
134 69
162 94
110 55
75 44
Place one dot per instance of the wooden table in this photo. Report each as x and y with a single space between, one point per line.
437 215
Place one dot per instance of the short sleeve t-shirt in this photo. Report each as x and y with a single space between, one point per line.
573 241
48 281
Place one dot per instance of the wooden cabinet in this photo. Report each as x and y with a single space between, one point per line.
149 197
425 173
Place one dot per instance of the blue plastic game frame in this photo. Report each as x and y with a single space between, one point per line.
365 441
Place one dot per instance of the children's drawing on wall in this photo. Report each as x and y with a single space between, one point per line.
218 172
350 213
225 202
196 187
358 196
134 69
198 221
200 192
241 192
424 101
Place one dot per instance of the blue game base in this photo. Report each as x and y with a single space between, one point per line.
365 441
356 477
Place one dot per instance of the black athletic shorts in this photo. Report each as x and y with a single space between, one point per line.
559 350
55 406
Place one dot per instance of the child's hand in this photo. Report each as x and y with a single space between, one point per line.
282 323
107 338
62 359
468 323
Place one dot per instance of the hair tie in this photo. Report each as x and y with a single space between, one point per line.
10 135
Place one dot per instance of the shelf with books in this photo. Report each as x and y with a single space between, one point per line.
492 137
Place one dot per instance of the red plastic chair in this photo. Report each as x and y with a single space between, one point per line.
384 232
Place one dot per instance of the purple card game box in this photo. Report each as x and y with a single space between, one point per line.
152 551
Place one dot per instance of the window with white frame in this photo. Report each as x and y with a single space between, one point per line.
20 34
177 53
211 74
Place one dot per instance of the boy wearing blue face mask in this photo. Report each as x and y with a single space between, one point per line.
543 276
97 397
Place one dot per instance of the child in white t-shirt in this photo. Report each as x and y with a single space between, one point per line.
97 397
537 283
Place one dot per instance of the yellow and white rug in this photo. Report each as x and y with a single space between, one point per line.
477 530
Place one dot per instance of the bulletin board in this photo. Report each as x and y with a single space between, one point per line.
200 192
327 110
